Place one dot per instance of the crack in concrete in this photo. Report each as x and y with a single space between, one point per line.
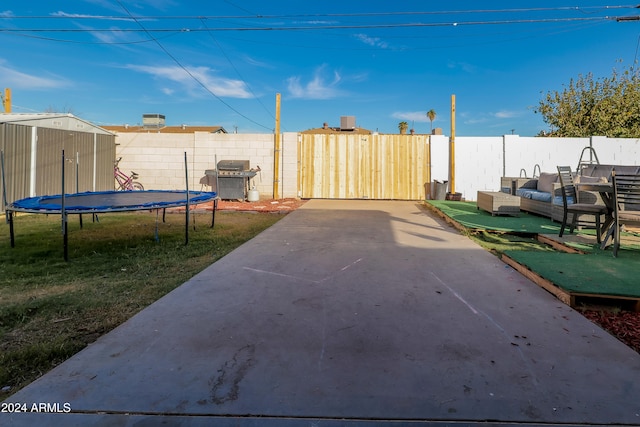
226 385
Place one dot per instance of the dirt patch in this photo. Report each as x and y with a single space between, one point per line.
266 205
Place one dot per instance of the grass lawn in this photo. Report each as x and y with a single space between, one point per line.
50 309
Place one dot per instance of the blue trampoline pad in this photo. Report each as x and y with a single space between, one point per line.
110 201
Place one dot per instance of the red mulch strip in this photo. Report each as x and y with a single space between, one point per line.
267 205
624 325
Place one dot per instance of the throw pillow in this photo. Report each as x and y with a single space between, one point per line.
546 181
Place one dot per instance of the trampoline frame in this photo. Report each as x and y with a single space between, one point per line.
58 204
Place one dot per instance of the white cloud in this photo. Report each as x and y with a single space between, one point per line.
19 80
62 14
372 41
464 66
319 87
507 114
317 22
252 61
412 116
140 4
7 14
475 121
220 86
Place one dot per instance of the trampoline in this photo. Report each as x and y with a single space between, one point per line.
109 201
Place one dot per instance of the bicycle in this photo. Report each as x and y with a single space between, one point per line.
125 182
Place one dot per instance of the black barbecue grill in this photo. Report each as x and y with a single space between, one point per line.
230 179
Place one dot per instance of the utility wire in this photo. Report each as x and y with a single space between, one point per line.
186 70
324 27
238 72
52 39
333 15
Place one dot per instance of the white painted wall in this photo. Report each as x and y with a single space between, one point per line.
480 162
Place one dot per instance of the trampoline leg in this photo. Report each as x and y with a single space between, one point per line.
65 238
12 237
80 215
213 212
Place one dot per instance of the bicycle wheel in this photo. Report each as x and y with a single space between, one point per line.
137 186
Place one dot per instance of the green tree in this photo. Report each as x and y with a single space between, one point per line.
431 115
609 106
402 127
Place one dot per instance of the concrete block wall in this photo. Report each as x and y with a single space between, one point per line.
159 159
480 162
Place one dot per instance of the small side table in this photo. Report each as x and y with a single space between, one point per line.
498 203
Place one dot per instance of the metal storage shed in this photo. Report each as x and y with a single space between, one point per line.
32 145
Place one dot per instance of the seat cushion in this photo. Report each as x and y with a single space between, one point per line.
557 200
532 194
525 192
541 196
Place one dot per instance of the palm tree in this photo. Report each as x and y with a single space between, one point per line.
431 114
402 127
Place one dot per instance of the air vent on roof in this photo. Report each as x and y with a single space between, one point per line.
153 121
347 122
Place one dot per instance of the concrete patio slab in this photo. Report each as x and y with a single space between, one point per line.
348 313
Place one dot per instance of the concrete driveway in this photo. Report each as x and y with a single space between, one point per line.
348 313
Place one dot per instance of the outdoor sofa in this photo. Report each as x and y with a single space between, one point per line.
543 196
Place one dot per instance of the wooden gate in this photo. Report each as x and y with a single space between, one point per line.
352 166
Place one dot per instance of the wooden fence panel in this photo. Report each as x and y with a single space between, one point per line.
353 166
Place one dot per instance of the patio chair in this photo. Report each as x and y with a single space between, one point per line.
626 190
571 204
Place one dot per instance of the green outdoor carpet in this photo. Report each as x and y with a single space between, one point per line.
596 273
467 214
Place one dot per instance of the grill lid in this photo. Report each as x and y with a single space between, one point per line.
233 165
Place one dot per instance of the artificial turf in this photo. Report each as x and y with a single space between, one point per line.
594 272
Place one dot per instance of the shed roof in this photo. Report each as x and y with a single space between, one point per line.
53 121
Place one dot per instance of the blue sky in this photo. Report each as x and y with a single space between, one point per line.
222 62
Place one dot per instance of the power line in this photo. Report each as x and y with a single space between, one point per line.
186 70
52 39
321 27
238 73
252 15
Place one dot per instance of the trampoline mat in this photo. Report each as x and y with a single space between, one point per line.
109 201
